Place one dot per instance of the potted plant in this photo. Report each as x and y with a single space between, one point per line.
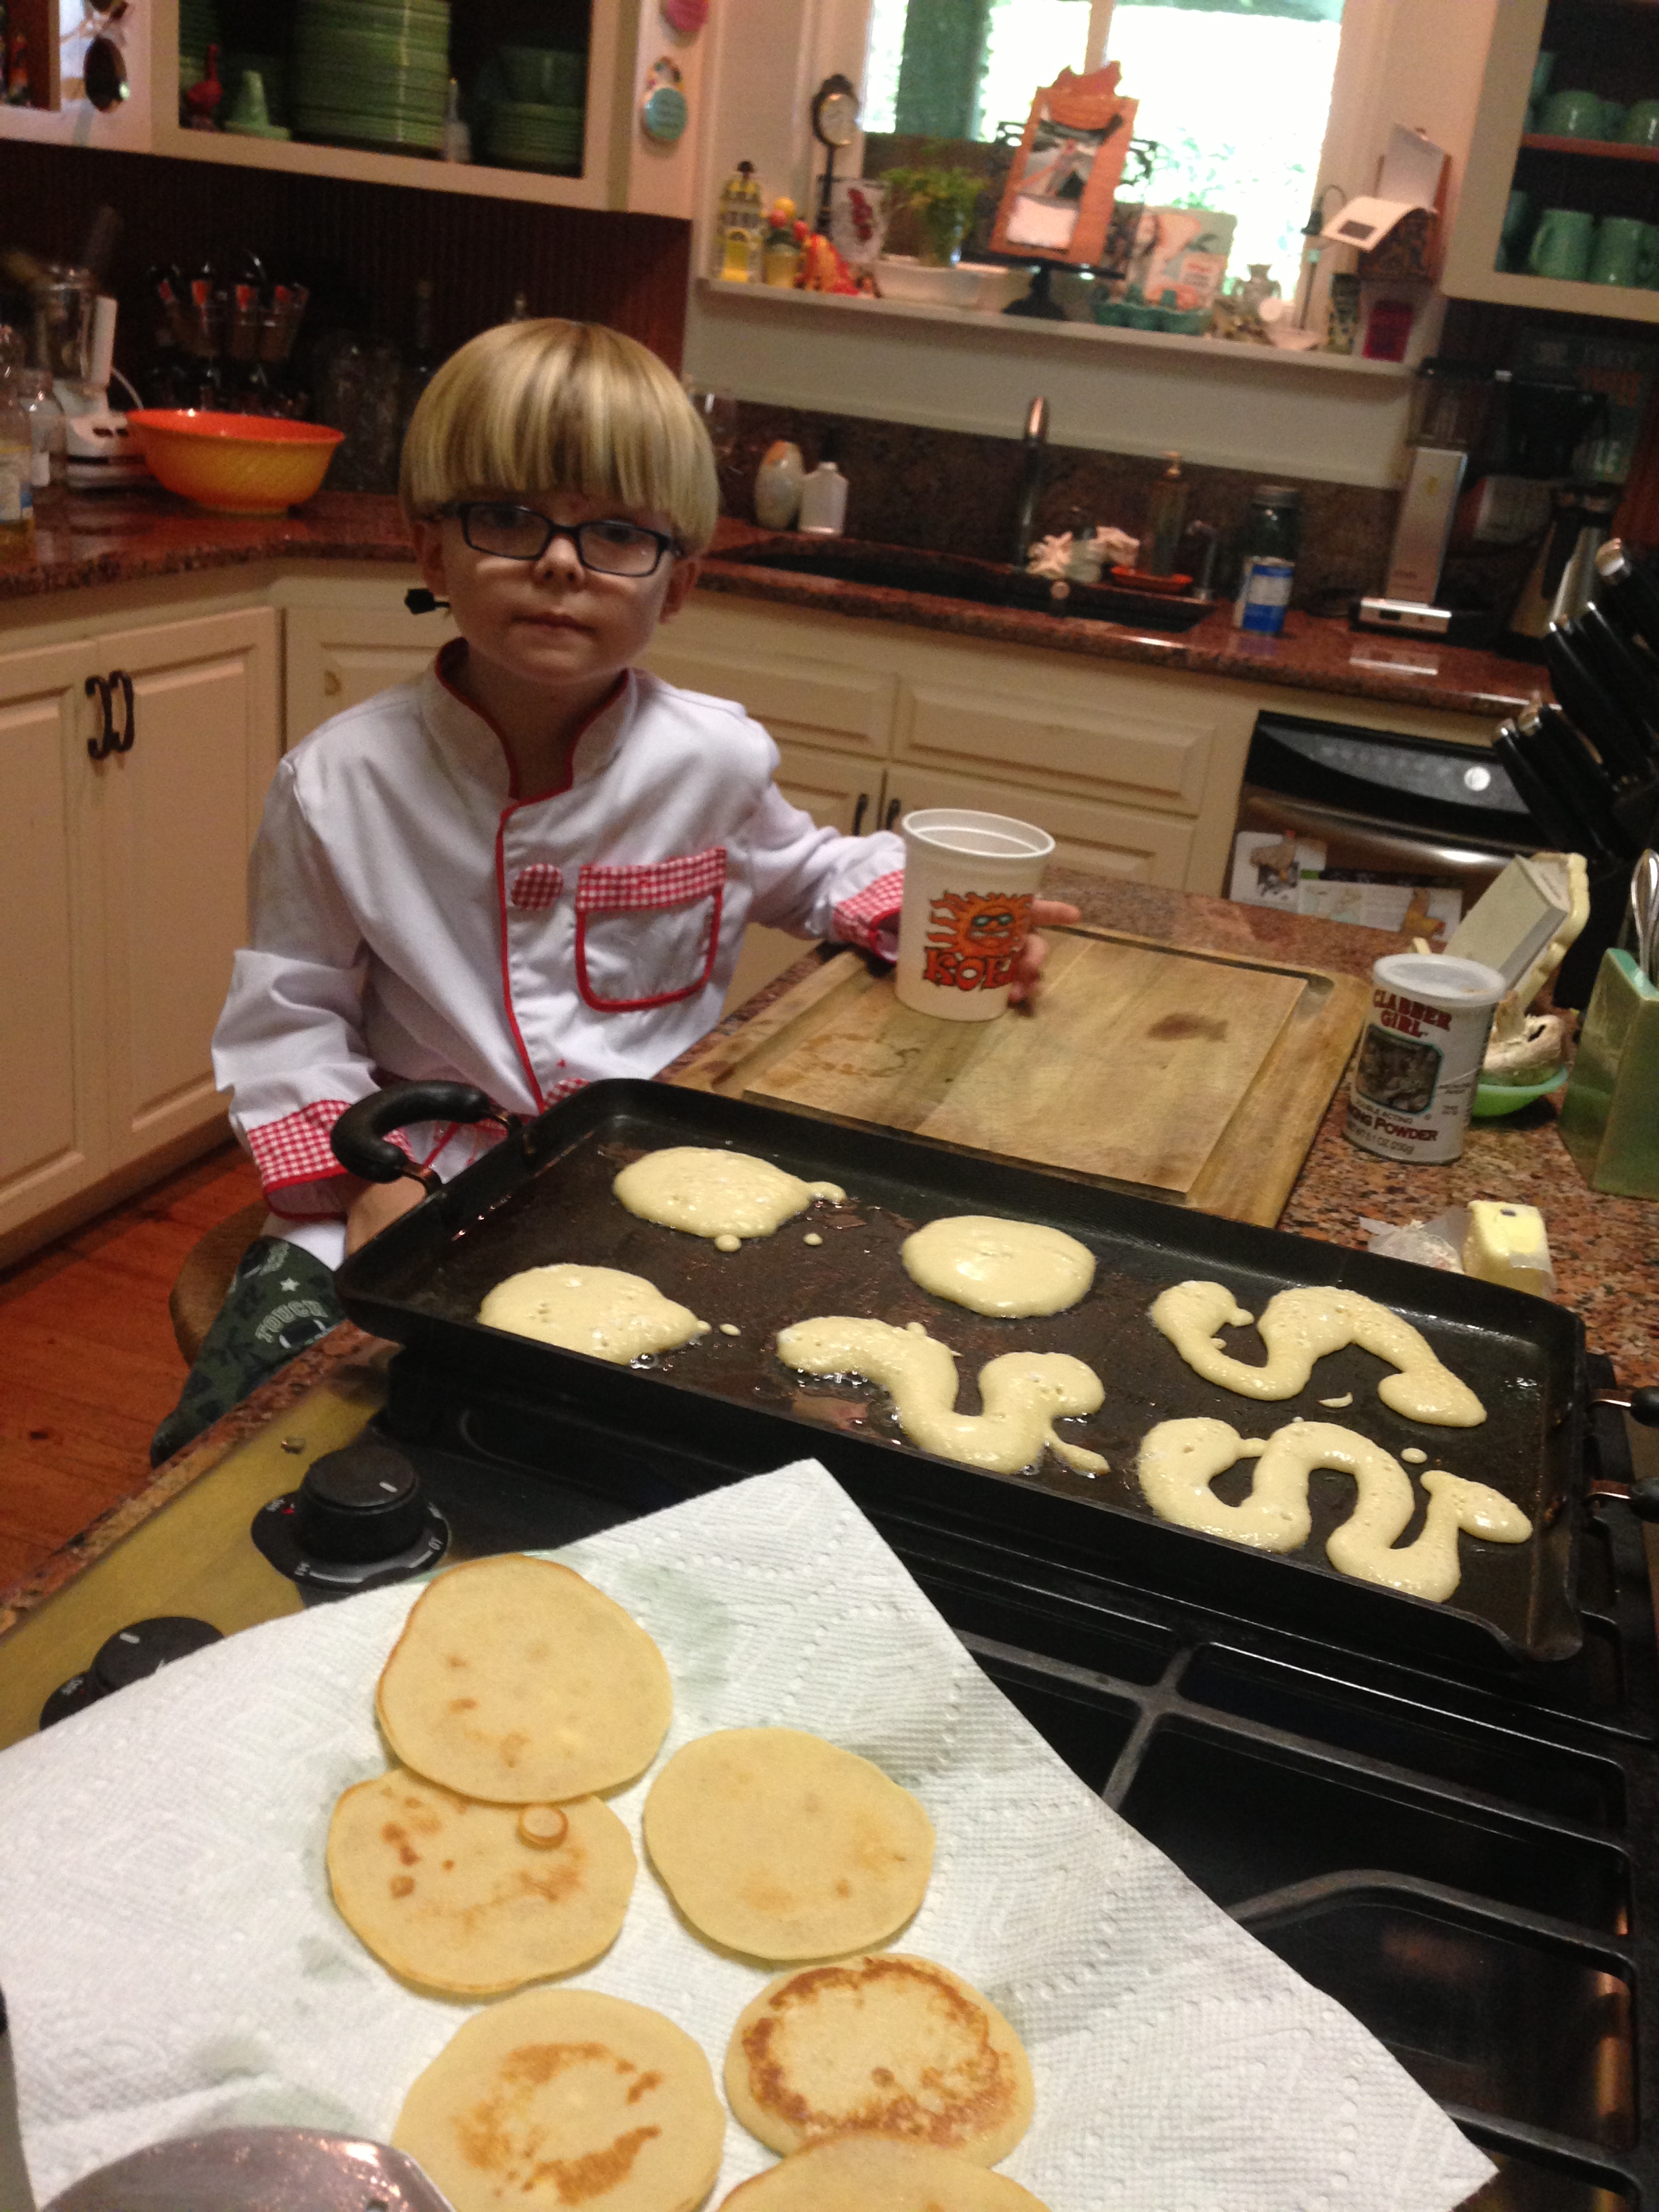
943 200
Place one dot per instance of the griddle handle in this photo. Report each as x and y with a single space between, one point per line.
1644 1498
362 1136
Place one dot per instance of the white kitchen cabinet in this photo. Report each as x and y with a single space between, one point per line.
122 897
345 640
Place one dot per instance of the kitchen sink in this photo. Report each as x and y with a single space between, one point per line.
954 576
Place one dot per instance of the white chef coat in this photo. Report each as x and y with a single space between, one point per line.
415 915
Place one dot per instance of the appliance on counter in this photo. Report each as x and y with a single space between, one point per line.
74 344
1450 403
1372 826
1448 1840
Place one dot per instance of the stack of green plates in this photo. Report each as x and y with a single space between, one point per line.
198 29
521 134
375 72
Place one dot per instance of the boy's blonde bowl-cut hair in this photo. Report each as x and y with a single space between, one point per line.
551 406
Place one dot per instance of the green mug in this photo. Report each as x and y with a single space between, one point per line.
1543 69
1561 244
1571 115
1623 247
1642 123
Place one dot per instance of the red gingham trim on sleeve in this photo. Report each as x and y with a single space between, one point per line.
296 1149
537 886
858 920
611 887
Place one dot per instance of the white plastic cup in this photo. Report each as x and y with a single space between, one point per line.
970 879
1419 1057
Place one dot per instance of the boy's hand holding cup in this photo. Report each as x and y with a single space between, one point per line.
970 882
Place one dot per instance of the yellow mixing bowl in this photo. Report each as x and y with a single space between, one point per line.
236 464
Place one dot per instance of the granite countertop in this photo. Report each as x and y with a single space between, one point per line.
1602 1247
124 537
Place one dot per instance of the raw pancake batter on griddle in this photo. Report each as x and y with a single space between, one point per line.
1012 1268
724 1196
1024 1393
1180 1459
1301 1326
600 1310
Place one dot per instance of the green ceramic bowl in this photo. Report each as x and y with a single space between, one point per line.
1493 1100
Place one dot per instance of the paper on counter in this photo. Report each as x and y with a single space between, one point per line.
172 1961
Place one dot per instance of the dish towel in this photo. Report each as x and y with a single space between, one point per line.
172 1960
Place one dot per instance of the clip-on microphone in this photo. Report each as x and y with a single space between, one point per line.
420 601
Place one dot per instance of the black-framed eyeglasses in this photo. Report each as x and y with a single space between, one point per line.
611 547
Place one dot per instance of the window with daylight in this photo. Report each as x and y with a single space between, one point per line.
1233 93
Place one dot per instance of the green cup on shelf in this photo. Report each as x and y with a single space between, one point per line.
1543 69
1641 126
1623 251
1561 244
1573 114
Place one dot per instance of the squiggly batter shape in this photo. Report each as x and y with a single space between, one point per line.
1024 1393
1301 1326
1180 1459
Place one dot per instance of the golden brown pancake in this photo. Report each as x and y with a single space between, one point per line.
517 1681
475 1898
777 1844
557 2098
879 2174
887 2046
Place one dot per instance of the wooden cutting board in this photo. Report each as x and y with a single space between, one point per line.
1196 1078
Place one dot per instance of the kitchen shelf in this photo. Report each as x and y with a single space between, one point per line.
1606 149
306 159
1228 353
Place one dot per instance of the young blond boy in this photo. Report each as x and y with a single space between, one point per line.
532 867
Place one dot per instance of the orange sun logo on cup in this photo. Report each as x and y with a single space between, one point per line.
972 938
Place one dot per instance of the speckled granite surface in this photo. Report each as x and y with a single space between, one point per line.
143 535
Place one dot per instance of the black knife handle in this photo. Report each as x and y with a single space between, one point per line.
1547 801
1622 745
362 1136
1548 739
1632 677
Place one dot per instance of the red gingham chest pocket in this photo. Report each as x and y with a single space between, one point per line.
536 887
648 932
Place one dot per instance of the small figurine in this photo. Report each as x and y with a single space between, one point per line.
17 71
203 100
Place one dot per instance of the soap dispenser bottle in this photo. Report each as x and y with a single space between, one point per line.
823 495
1166 515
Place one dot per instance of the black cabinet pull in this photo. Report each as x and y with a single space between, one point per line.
858 814
129 724
103 744
895 808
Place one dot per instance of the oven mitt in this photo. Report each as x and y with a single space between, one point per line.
280 1300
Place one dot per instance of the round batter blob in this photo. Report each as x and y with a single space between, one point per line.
1299 1327
879 2174
458 1896
1024 1393
1180 1459
1006 1267
778 1844
715 1195
561 2098
890 2045
599 1310
517 1681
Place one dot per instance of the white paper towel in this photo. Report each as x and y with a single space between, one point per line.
172 1961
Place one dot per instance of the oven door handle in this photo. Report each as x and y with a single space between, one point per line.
362 1136
1643 1406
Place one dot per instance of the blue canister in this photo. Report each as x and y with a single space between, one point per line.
1264 594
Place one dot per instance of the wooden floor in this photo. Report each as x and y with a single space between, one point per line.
88 1363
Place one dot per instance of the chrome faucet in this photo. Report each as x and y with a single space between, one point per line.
1031 478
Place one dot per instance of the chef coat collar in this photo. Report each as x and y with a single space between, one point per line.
467 734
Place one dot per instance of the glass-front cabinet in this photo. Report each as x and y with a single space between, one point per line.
1559 206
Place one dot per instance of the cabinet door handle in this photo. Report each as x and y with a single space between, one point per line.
895 808
859 813
130 718
103 744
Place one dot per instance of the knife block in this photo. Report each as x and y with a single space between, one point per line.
1610 1115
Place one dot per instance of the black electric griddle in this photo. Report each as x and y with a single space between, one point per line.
544 1196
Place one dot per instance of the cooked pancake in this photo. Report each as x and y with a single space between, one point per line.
705 1192
559 2098
877 2173
599 1310
516 1681
1014 1269
476 1899
889 2046
775 1843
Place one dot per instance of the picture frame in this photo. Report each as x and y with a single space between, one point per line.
1057 204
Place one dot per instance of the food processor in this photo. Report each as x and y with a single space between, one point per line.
74 344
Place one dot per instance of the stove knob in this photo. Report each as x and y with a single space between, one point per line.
361 1503
133 1652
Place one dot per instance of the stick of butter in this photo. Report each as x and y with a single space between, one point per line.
1507 1243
